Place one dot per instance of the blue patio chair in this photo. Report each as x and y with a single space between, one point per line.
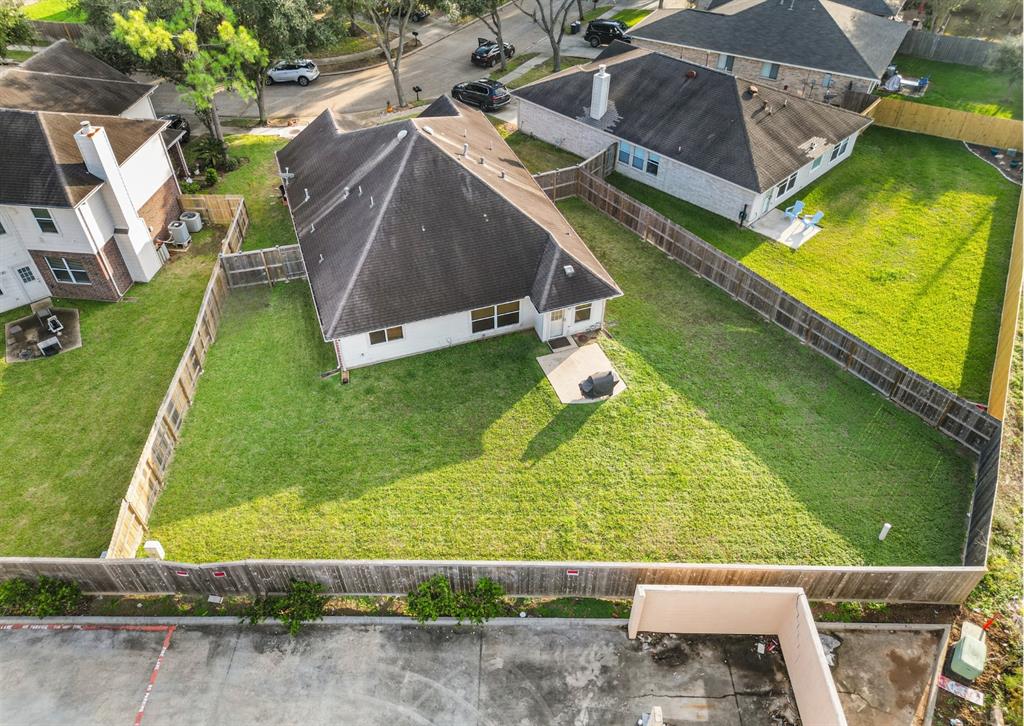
810 221
794 211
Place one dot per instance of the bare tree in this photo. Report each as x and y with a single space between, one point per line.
489 11
942 11
385 17
551 16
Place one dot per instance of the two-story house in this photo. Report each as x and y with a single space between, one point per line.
816 49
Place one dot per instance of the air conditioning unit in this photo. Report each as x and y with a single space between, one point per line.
192 220
180 236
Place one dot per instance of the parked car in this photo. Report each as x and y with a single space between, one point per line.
179 122
418 15
297 71
488 53
603 32
485 93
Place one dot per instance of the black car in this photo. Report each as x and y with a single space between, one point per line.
603 32
488 53
418 14
178 122
485 93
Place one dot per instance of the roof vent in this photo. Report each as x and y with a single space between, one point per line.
691 73
502 174
481 160
402 134
465 149
428 130
569 270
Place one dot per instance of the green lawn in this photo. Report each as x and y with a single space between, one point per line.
912 258
537 156
72 427
345 45
56 11
19 55
592 14
732 443
546 69
964 87
512 64
631 16
257 181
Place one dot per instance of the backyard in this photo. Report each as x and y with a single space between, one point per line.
72 427
55 11
912 258
732 443
965 88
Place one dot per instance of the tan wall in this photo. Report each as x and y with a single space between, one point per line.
749 610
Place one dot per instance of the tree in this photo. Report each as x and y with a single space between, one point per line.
942 11
281 27
551 16
385 18
489 11
348 9
14 26
1009 61
199 48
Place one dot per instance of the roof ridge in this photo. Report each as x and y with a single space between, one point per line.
53 159
364 253
18 69
829 7
744 128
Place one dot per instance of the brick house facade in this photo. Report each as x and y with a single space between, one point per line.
109 278
162 208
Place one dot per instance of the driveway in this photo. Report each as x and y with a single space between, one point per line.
436 67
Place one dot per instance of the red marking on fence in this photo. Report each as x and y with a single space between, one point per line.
153 675
219 573
572 573
181 573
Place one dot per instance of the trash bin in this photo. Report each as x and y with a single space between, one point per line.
574 27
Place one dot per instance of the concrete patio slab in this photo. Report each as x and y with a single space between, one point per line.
565 370
22 336
790 232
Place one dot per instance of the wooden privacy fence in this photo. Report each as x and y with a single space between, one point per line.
949 123
148 479
948 48
582 579
48 30
564 183
1000 385
956 417
264 267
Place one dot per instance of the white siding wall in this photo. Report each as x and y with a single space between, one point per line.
424 335
96 217
71 236
143 108
13 292
679 180
545 326
146 171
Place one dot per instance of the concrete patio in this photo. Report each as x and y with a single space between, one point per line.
790 232
23 336
567 367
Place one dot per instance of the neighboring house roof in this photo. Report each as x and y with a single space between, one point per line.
43 167
711 122
63 78
883 8
820 34
400 227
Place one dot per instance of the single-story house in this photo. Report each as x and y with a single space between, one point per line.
82 198
813 48
723 143
427 233
65 79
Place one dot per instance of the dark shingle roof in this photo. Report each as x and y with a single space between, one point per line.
63 78
711 122
422 231
48 170
821 34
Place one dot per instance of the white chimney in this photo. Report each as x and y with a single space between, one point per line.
599 94
131 232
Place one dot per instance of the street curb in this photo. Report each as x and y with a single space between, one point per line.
331 620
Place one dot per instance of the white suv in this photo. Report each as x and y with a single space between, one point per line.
299 71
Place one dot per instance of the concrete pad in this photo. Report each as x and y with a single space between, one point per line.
565 370
790 232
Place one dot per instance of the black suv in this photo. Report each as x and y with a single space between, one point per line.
485 93
178 123
603 32
487 52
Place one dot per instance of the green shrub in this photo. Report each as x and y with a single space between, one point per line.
304 603
210 176
481 603
432 599
190 187
43 599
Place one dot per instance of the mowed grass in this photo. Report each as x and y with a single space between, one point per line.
55 11
257 180
72 427
732 443
912 258
631 16
546 69
964 88
536 155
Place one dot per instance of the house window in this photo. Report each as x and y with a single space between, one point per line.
582 314
839 149
817 162
653 162
69 271
25 273
827 81
386 335
44 220
770 70
638 158
625 152
786 185
494 316
725 62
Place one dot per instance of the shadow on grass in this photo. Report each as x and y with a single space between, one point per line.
562 428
